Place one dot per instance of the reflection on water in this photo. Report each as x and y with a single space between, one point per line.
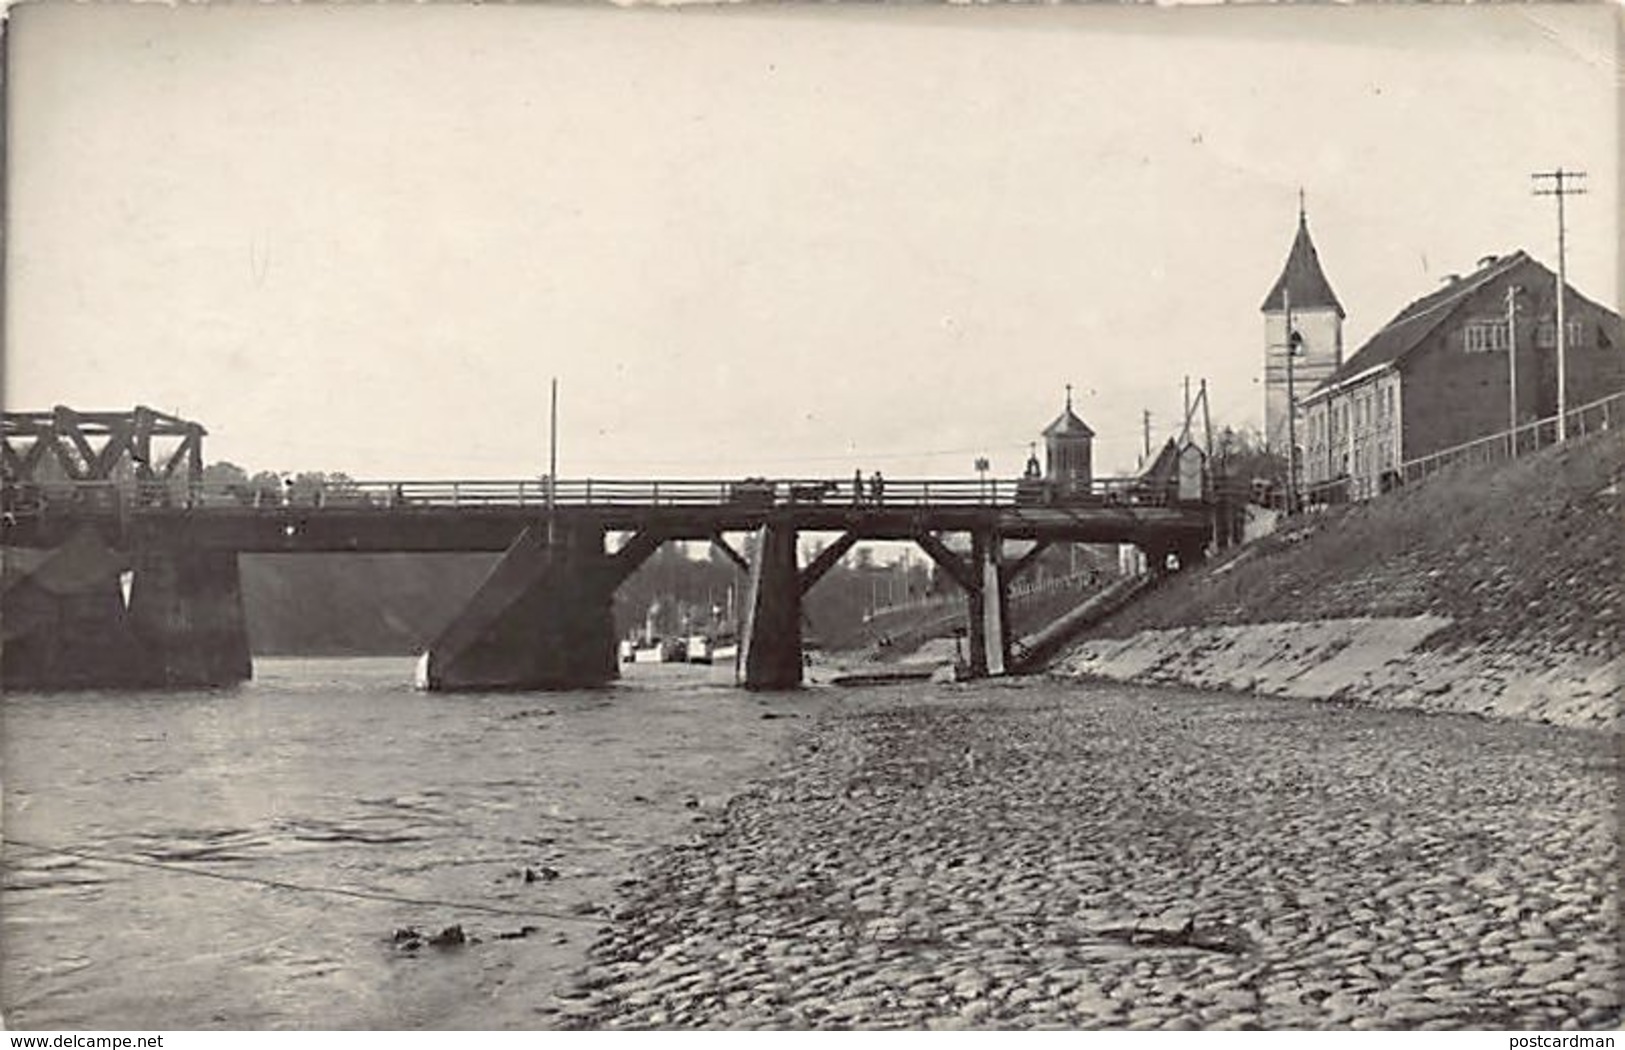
335 773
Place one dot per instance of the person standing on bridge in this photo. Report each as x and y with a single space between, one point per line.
857 487
877 487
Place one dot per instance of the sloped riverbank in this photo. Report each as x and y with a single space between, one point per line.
1494 590
1045 854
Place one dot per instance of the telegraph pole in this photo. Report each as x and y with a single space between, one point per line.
552 460
1207 421
1145 419
1185 432
1512 369
1560 184
1291 408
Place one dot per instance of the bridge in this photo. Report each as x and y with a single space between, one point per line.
98 496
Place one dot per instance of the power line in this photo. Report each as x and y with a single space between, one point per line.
281 884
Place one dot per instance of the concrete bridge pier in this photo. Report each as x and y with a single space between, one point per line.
542 619
770 645
66 623
186 615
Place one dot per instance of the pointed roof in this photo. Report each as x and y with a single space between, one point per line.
1166 466
1302 276
1067 424
1412 325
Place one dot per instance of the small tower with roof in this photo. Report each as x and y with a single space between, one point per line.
1069 450
1317 317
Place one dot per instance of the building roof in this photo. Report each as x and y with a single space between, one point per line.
1067 424
1302 277
1412 325
1166 466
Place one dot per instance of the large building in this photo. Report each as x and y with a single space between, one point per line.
1303 293
1439 375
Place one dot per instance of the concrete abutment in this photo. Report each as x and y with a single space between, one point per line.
90 617
186 612
542 619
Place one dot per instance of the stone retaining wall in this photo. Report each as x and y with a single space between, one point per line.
1380 661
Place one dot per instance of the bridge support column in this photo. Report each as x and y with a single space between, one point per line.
542 619
186 613
66 625
989 609
770 646
983 580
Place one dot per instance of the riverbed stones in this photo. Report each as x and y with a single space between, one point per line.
1118 857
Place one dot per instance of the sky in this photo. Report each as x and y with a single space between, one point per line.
775 240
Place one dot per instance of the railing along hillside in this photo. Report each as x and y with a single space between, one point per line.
1600 415
1018 591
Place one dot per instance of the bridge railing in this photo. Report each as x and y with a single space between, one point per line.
128 496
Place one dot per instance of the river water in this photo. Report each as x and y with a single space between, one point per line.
202 827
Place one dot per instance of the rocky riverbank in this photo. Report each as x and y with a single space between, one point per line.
1049 855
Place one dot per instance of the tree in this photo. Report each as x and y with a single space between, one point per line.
1242 458
218 476
1242 453
265 487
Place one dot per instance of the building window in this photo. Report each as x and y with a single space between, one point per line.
1480 337
1546 334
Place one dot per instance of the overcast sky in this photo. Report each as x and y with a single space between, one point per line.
776 240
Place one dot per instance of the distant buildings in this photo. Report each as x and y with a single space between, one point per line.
1438 374
1435 376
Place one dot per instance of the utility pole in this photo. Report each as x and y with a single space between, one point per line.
1560 184
1145 416
1291 409
1207 420
1512 370
552 460
1185 432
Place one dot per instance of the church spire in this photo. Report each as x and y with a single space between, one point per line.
1309 288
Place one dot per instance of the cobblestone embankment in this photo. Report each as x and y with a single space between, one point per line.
1513 570
1379 661
1110 856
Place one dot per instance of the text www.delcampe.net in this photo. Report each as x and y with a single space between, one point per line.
89 1042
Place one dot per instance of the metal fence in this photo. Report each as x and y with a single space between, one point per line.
1591 418
1071 581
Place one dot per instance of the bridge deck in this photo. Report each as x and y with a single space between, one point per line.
487 515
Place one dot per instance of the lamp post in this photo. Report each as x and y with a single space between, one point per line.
981 477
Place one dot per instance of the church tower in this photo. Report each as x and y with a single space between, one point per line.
1316 316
